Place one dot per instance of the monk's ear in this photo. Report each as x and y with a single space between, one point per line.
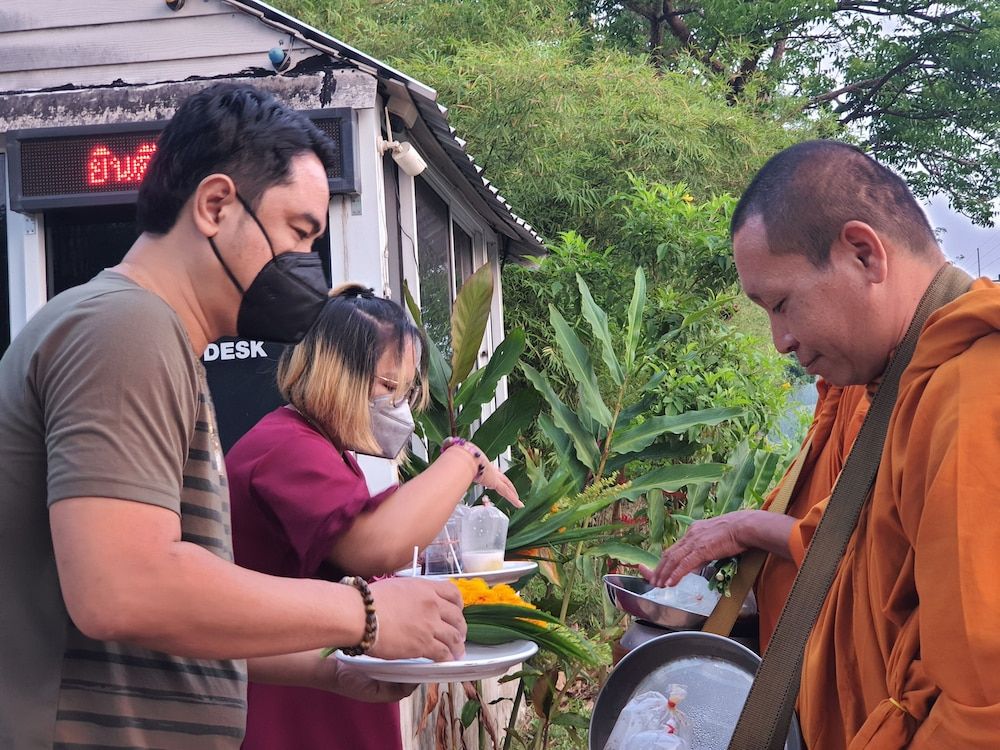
862 247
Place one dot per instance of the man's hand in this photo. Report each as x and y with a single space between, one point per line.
418 618
310 669
353 683
720 537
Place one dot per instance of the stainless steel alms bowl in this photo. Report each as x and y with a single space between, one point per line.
651 665
626 593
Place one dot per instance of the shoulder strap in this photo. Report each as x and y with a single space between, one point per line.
763 724
726 612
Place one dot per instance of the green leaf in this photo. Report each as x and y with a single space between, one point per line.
635 311
412 306
657 515
464 393
697 500
584 443
563 446
671 478
504 360
626 553
487 620
642 435
598 320
673 451
503 426
434 422
469 712
578 362
547 536
570 719
730 493
468 322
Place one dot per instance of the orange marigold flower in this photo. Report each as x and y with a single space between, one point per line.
477 591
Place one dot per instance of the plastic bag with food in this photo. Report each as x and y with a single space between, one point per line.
651 721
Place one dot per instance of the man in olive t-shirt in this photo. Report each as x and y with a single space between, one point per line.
102 395
124 622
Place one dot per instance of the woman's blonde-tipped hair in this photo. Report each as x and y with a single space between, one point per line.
328 376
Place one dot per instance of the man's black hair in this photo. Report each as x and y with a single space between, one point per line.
231 129
806 193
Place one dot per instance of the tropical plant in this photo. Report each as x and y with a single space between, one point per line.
606 450
696 322
458 392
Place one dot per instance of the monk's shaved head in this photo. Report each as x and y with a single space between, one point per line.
805 194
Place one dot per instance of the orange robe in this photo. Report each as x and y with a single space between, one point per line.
836 421
906 651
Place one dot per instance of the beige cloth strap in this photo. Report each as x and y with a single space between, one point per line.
726 612
763 724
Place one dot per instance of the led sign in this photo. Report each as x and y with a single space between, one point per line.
95 165
105 168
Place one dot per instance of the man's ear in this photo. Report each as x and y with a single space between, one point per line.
861 246
212 199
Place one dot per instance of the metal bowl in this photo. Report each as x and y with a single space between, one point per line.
626 593
715 671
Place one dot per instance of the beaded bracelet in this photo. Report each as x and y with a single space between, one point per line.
470 449
371 620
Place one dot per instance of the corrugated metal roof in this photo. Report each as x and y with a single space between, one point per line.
525 241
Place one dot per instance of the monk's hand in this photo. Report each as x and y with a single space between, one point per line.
711 539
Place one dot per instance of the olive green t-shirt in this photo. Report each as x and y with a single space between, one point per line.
101 395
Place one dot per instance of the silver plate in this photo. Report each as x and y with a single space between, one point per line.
715 671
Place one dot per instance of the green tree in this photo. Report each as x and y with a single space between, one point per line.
916 82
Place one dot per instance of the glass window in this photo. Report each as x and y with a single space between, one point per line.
464 265
433 245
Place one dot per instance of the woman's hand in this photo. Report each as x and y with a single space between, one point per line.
487 474
494 479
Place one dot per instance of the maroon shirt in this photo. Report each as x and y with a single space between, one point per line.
292 494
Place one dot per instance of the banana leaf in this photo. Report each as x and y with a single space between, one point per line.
469 316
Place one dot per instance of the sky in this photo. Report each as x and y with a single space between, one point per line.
960 239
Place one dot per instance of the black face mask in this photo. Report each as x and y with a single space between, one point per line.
285 297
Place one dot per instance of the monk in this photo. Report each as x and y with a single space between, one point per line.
905 653
837 418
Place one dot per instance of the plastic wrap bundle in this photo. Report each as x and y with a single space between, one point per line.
691 594
651 721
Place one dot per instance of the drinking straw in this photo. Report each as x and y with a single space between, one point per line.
415 551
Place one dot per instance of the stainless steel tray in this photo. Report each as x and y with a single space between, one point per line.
715 671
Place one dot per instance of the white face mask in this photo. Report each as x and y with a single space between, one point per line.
392 424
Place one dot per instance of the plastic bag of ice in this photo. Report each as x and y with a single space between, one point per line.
691 594
651 721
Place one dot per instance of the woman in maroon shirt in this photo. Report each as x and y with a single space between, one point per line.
301 506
